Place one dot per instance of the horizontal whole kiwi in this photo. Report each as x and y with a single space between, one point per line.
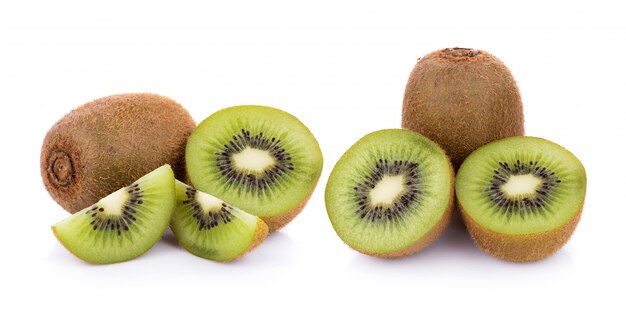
109 142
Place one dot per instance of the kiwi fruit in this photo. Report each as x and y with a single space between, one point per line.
521 197
110 142
462 99
260 159
213 229
124 224
391 194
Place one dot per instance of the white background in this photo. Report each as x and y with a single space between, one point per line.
341 67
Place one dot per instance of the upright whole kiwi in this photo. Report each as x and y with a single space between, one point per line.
107 143
462 99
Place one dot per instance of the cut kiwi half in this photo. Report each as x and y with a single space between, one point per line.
213 229
521 197
260 159
391 194
124 224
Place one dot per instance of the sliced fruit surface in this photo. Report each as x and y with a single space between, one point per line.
521 185
261 159
389 191
124 224
213 229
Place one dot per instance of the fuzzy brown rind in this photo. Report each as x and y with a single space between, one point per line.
260 234
429 237
274 223
522 247
110 142
462 99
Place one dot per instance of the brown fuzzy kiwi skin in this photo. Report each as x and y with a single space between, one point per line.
429 237
109 142
522 247
275 223
462 99
262 230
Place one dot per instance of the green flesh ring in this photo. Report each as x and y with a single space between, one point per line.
521 185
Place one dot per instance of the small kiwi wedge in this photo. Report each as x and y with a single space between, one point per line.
110 142
260 159
521 197
124 224
213 229
391 194
462 98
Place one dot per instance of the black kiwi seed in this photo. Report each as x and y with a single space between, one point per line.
396 211
526 205
212 218
103 222
253 182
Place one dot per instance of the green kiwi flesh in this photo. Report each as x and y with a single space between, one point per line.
109 142
213 229
124 224
260 159
462 99
391 193
521 197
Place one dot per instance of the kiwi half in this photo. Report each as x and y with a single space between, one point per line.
462 98
110 142
391 194
213 229
260 159
521 197
124 224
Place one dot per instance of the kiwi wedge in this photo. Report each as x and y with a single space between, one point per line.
521 197
260 159
124 224
462 98
110 142
391 194
213 229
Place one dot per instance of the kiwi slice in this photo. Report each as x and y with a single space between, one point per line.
213 229
260 159
391 194
110 142
521 197
462 98
124 224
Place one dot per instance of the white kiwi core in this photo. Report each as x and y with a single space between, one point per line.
252 160
387 190
521 186
208 202
114 203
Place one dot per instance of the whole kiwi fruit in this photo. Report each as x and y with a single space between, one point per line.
109 142
462 99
